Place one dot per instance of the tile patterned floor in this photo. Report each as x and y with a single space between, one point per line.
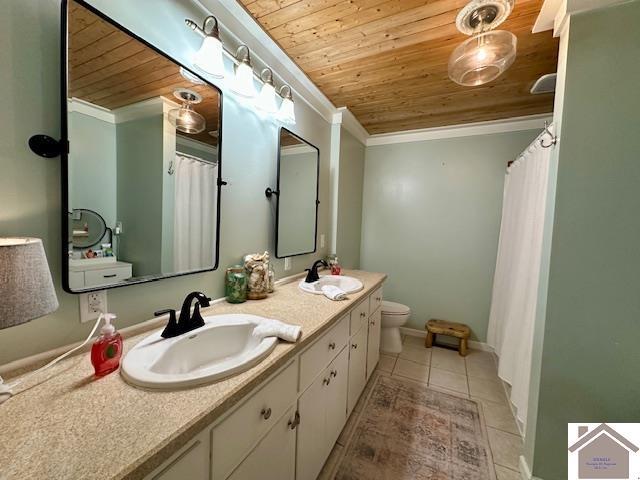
475 376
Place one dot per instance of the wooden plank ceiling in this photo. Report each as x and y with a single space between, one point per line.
109 68
386 60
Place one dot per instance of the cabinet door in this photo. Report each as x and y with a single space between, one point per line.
373 342
191 462
337 398
312 429
357 367
274 457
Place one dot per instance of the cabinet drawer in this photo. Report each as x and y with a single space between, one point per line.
319 355
359 316
76 280
106 276
232 439
375 300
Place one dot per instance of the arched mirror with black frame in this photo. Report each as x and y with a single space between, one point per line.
141 177
296 196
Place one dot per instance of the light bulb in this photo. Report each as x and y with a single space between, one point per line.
187 120
482 58
243 84
287 114
209 58
267 99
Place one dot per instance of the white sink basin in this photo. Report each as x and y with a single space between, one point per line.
224 346
348 284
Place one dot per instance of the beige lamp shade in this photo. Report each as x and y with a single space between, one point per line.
26 288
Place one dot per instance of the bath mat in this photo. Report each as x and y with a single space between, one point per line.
408 431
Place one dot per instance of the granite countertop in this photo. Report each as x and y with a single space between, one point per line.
66 424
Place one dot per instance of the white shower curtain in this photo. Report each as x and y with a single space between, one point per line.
515 287
194 229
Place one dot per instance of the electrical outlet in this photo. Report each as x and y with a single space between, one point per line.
322 240
287 263
92 304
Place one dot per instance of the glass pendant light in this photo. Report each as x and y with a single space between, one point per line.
209 57
243 82
267 99
482 58
488 53
287 113
185 119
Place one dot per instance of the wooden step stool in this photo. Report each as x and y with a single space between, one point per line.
452 329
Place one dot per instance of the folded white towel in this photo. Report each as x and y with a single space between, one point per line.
275 328
334 293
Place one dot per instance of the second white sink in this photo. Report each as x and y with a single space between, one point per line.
347 284
223 347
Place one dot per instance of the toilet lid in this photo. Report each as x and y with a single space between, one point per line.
393 308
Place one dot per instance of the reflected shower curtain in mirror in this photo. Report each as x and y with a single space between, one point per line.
516 281
194 232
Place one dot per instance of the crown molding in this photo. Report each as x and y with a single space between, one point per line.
555 13
531 122
344 117
87 108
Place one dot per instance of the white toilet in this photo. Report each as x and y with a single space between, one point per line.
394 315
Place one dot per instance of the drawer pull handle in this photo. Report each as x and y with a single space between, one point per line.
332 346
334 373
373 322
110 276
354 345
326 381
293 424
266 413
363 314
378 299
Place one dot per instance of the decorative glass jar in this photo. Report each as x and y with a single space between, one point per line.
257 267
235 284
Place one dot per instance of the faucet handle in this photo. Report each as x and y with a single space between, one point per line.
196 319
171 330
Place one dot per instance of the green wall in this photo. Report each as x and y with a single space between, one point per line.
431 221
140 193
350 185
590 355
30 185
93 157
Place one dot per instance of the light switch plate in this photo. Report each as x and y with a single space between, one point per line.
92 304
287 263
322 240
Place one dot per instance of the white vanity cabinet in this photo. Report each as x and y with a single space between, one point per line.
191 461
286 428
274 458
373 342
357 367
323 413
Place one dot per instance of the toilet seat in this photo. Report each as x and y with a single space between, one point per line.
393 308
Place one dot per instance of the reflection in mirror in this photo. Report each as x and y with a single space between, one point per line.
143 165
297 211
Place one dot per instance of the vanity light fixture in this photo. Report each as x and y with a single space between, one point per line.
209 58
185 118
287 113
488 53
190 77
267 99
243 84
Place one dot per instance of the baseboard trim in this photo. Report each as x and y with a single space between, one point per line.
413 332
